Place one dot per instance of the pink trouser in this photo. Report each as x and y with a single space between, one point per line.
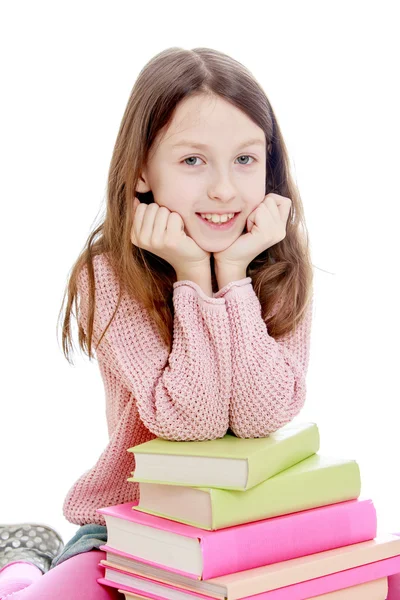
73 579
394 586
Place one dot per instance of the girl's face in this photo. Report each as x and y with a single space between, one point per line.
203 163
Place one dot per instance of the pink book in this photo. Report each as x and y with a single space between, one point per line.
299 591
201 554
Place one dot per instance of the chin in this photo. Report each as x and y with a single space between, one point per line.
214 246
209 244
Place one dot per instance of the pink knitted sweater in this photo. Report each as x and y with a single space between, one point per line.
224 371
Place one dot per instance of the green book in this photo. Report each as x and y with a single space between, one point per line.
228 462
315 481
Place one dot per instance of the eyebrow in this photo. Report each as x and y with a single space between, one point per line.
192 144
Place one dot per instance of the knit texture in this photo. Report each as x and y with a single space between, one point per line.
224 371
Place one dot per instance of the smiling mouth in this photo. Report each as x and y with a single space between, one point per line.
219 225
220 214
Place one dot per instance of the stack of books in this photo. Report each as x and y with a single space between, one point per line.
233 519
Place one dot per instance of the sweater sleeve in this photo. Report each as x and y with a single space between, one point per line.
181 395
268 375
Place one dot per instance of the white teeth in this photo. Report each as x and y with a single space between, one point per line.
217 218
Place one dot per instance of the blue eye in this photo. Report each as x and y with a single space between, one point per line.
192 165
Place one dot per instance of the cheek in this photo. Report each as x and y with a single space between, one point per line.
174 204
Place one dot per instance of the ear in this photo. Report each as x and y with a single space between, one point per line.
143 185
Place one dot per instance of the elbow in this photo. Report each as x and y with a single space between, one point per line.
298 398
263 420
257 429
192 436
191 432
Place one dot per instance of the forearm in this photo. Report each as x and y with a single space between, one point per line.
225 274
268 375
200 275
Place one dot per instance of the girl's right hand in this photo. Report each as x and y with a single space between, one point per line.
156 229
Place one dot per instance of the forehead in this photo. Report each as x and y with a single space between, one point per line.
192 143
204 122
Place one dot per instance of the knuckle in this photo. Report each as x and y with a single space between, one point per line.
163 209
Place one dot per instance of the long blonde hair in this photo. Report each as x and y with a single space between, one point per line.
283 274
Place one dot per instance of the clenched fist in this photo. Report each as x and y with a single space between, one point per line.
160 231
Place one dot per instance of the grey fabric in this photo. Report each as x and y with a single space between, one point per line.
31 542
88 537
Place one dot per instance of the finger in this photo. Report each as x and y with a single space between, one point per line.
135 204
261 215
250 221
138 220
160 226
284 206
175 225
274 214
146 230
280 206
270 201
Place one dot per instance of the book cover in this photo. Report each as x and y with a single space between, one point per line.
229 462
315 481
300 578
237 548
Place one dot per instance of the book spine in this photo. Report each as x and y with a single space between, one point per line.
290 536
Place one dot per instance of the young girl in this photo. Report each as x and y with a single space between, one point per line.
195 291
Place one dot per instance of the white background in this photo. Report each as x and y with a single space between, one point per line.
330 70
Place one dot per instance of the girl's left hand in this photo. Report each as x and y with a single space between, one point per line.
266 226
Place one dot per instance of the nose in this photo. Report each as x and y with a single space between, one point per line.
222 189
